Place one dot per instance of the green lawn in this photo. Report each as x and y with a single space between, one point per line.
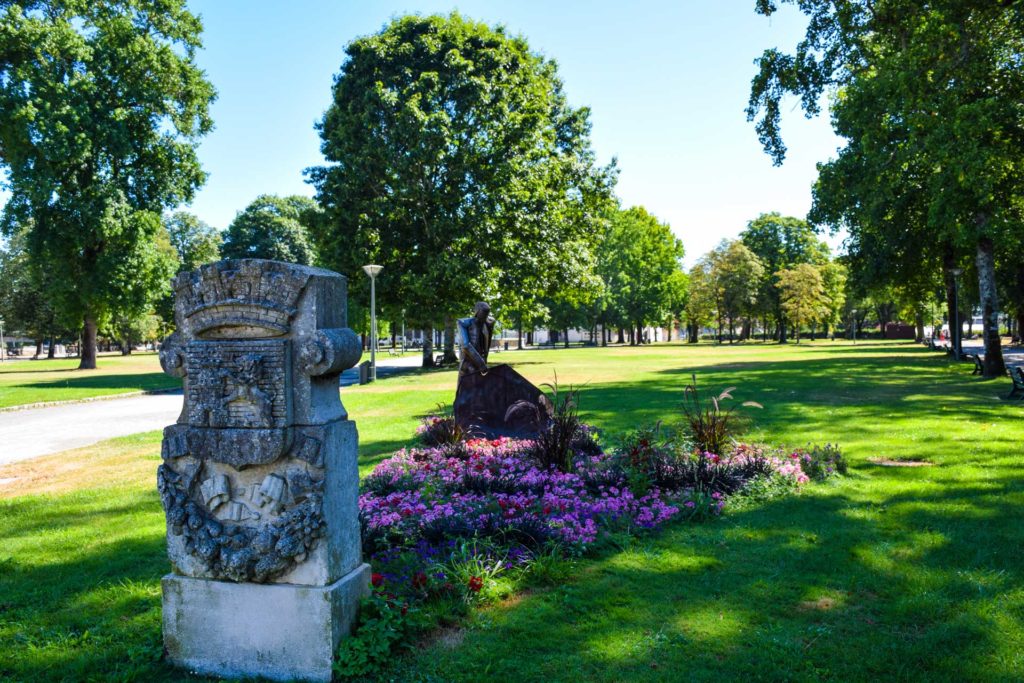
37 381
889 574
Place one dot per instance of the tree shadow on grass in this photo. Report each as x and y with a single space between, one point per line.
823 586
146 380
892 574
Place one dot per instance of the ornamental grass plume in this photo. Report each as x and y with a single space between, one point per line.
711 425
553 446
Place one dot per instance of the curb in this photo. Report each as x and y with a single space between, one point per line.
93 399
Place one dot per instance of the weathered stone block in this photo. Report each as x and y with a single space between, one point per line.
281 632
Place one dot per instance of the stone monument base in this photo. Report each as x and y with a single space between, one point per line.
278 631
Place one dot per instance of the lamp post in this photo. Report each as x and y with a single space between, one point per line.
403 330
956 310
854 312
372 271
3 347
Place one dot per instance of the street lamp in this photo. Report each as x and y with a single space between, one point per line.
956 272
854 312
372 271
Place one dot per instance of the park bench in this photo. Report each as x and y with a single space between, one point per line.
394 352
979 367
1017 377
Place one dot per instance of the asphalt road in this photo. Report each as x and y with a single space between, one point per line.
33 432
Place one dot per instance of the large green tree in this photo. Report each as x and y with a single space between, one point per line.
455 161
638 261
24 304
780 242
275 228
701 298
803 296
933 91
194 241
736 272
101 108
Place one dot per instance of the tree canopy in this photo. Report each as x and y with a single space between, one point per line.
194 241
928 97
455 161
101 108
276 228
638 261
780 242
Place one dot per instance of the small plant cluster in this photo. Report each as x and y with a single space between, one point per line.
823 462
384 623
440 429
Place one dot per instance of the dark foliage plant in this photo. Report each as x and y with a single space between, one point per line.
553 446
441 429
712 425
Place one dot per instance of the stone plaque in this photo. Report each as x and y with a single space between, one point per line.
259 478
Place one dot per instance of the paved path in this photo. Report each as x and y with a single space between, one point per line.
33 432
38 431
1012 355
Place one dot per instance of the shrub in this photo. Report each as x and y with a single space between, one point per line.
711 425
822 462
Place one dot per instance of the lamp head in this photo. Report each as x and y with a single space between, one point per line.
372 270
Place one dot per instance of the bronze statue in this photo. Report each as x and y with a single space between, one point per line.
475 339
494 401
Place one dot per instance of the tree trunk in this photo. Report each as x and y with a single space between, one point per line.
566 337
39 347
919 326
88 350
985 261
948 264
1018 327
449 341
51 352
782 331
126 347
428 346
520 340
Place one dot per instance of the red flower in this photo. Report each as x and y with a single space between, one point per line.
547 509
377 580
475 584
419 580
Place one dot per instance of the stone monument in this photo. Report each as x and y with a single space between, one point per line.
494 401
259 478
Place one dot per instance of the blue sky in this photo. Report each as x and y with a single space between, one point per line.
667 83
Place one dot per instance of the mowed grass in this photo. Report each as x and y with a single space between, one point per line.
25 382
891 573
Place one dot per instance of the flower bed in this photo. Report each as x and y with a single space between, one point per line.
427 497
453 521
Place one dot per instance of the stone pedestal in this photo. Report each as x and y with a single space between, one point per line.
259 477
288 632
